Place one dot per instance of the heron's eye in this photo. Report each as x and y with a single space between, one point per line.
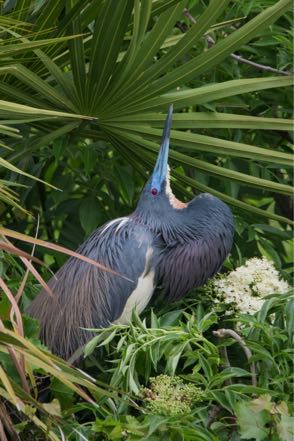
154 191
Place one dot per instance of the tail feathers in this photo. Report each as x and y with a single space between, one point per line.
80 301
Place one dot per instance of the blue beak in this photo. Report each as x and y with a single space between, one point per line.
160 169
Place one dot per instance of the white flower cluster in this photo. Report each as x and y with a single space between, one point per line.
245 287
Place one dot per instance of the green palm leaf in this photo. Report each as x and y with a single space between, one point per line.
124 73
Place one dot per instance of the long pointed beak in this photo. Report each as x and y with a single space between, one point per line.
160 169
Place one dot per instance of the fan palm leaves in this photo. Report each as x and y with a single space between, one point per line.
118 63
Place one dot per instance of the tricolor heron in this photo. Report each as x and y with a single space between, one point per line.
164 242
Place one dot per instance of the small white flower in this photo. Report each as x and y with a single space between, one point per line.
244 288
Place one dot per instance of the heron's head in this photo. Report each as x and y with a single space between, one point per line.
157 197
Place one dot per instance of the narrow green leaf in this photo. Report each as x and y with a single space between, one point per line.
155 38
49 14
210 15
193 120
63 80
90 12
108 36
17 94
195 142
40 141
207 60
74 12
9 166
125 68
213 169
206 94
35 82
26 112
10 131
77 56
162 6
22 9
7 50
148 50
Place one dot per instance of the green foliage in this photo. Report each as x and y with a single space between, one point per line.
142 350
181 343
252 423
260 419
151 428
177 368
169 396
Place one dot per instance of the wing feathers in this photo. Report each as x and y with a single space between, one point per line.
87 297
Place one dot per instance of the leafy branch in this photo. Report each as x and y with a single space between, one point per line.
236 57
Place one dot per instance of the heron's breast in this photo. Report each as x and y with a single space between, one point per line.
141 295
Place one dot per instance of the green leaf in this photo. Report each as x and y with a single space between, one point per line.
77 56
285 428
261 403
266 249
125 180
218 52
15 110
195 142
62 79
53 408
155 40
108 35
203 94
64 395
9 166
125 68
90 214
205 166
252 424
35 82
8 50
49 14
40 141
195 120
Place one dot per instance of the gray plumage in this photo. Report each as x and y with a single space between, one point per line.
163 242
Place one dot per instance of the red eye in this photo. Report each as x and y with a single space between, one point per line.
154 191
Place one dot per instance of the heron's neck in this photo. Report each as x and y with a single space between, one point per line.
174 202
205 217
164 222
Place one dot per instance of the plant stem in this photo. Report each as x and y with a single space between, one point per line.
224 354
222 333
6 425
212 414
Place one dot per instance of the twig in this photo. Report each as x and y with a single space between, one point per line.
212 414
259 66
222 333
226 364
236 57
